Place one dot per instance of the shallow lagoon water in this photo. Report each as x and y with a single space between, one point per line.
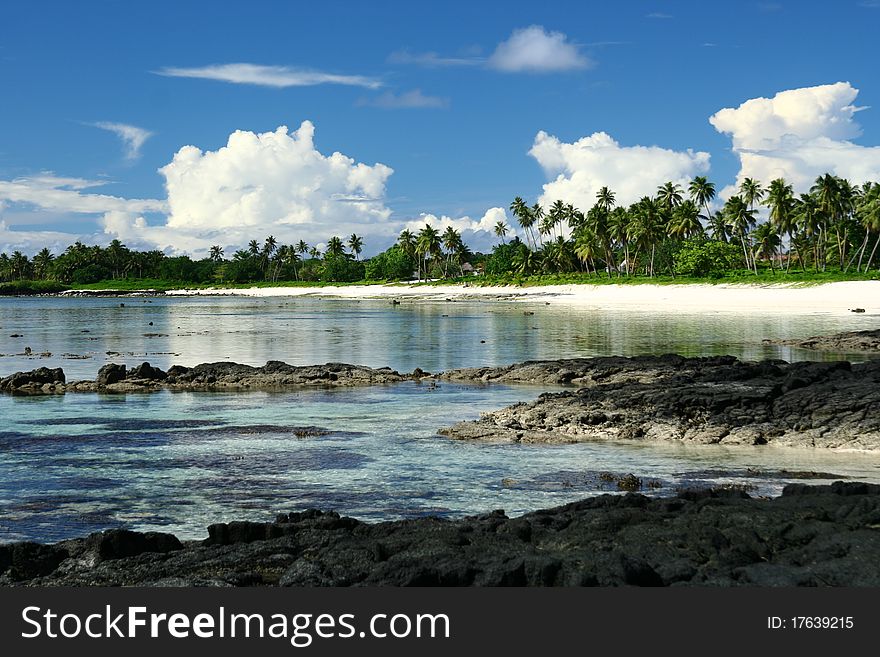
177 462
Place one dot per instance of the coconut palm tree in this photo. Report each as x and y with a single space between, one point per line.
41 262
741 219
216 254
254 248
356 244
523 214
685 220
450 240
669 196
618 231
587 247
751 192
648 227
428 246
767 242
335 247
808 214
605 199
780 200
302 248
501 231
702 192
868 212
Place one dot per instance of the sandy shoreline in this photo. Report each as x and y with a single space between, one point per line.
828 297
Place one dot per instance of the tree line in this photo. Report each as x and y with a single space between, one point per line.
674 232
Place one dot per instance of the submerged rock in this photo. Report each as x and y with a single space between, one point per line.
848 341
810 536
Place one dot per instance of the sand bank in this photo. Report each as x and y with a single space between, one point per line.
827 297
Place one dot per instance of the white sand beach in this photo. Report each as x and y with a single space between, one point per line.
827 297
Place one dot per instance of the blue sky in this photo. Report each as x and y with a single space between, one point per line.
450 96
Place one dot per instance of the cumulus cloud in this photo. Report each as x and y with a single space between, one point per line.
132 137
533 49
479 234
578 170
414 99
259 184
798 135
268 76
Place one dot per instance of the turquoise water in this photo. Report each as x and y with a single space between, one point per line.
177 462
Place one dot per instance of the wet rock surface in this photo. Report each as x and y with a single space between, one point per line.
810 536
689 400
848 341
207 376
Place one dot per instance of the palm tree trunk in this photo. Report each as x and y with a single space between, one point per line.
873 251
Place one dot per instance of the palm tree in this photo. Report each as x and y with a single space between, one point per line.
586 247
741 219
427 246
314 253
685 220
501 231
809 218
647 228
780 200
537 213
702 192
451 240
669 196
302 248
335 247
41 263
216 253
356 244
767 242
618 230
254 248
718 225
751 192
605 199
868 212
525 217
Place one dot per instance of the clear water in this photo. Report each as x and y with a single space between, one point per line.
177 462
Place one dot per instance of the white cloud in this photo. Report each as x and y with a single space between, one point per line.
798 135
478 234
533 49
54 193
578 170
259 184
414 99
268 76
31 241
132 137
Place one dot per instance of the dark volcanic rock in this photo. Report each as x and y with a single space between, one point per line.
810 536
110 373
692 400
848 341
121 543
207 376
35 380
146 371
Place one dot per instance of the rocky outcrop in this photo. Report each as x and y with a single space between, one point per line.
689 400
42 379
207 376
810 536
843 342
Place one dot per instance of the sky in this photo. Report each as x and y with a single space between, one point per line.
180 125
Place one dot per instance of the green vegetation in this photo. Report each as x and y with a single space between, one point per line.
831 233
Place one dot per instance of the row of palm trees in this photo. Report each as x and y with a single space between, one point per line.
834 223
432 250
